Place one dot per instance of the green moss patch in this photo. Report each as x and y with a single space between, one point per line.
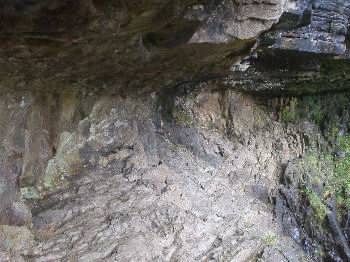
327 178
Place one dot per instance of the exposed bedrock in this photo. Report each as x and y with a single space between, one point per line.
160 130
269 47
159 178
306 52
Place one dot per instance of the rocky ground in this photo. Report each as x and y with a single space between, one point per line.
174 130
125 184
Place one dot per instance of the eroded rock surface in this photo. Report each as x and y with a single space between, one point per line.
124 135
124 183
306 52
323 28
266 47
231 20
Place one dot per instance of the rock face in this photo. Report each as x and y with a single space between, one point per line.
230 20
297 56
139 44
322 28
129 182
127 133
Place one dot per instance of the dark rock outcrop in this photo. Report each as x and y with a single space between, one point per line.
306 52
301 46
322 28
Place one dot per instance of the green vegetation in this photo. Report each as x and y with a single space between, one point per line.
330 177
182 117
341 180
174 106
317 204
270 239
318 170
330 112
289 113
310 107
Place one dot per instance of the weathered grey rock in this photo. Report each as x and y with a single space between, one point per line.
230 20
141 187
324 31
15 243
306 52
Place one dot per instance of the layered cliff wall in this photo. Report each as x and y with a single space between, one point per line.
186 130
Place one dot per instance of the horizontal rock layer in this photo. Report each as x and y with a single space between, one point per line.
147 45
